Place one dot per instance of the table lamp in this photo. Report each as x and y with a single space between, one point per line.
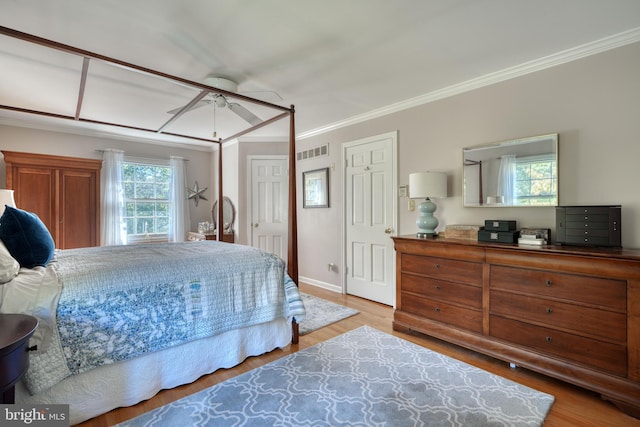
427 185
6 198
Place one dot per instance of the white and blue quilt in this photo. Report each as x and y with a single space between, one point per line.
119 302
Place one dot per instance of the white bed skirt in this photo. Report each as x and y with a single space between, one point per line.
127 383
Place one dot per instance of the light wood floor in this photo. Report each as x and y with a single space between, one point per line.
573 406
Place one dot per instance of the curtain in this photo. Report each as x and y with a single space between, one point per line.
507 179
112 227
179 217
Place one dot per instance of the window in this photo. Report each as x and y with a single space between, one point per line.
536 180
146 199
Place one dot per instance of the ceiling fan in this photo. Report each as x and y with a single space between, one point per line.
221 101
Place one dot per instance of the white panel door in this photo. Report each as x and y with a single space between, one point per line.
370 218
269 201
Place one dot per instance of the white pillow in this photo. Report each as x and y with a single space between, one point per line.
9 267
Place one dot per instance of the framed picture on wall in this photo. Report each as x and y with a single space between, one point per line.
315 187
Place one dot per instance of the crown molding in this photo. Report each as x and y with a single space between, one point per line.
559 58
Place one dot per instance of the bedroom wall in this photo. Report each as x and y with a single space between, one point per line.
593 103
65 144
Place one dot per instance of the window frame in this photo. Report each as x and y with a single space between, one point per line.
529 160
148 237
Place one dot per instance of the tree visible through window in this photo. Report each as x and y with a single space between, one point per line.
146 196
536 181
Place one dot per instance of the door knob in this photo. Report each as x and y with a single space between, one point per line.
388 230
255 225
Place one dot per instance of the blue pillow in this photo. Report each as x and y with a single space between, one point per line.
26 237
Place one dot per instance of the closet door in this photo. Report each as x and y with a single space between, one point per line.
35 191
77 213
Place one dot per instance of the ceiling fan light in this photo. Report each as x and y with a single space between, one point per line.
220 101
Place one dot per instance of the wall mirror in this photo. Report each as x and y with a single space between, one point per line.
518 172
228 214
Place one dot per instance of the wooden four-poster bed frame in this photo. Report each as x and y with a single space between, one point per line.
292 250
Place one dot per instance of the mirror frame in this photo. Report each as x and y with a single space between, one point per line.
214 214
494 151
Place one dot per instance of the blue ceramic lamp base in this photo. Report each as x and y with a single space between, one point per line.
426 222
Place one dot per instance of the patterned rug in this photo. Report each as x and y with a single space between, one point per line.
320 313
362 378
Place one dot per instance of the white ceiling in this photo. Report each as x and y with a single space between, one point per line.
337 61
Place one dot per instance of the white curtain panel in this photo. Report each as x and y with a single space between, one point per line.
112 227
180 221
507 179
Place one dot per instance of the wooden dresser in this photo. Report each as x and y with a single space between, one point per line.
572 313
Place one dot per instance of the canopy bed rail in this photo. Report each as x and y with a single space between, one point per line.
292 267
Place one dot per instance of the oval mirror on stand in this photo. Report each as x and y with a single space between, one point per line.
228 214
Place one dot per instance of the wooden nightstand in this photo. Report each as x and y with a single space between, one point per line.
15 331
226 237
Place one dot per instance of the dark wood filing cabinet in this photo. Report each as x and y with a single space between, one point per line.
589 225
570 312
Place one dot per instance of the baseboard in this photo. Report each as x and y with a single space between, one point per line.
319 284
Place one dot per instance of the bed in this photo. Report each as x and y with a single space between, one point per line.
117 323
96 370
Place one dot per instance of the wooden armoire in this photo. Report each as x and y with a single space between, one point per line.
63 191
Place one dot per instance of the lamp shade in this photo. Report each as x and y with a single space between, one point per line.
424 185
6 198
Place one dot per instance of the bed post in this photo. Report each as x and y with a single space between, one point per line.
219 220
292 249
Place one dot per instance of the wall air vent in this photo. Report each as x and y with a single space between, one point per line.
320 151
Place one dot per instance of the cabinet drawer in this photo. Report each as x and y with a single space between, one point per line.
454 315
608 325
586 232
587 240
601 355
450 292
588 210
443 269
601 219
589 290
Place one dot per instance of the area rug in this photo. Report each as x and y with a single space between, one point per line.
320 313
361 378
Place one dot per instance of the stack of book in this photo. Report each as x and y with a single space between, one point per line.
534 236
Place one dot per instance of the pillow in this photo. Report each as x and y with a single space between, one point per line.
26 237
9 267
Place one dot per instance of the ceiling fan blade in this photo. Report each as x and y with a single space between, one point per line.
198 105
247 115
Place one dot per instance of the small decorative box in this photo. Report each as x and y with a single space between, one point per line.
498 236
460 231
499 225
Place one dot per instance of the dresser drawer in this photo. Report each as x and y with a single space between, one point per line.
454 315
450 292
601 355
611 326
466 272
589 290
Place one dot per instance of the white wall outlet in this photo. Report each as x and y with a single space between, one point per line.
412 205
402 191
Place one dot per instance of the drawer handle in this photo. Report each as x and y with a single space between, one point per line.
437 309
549 340
437 266
437 287
549 310
548 282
